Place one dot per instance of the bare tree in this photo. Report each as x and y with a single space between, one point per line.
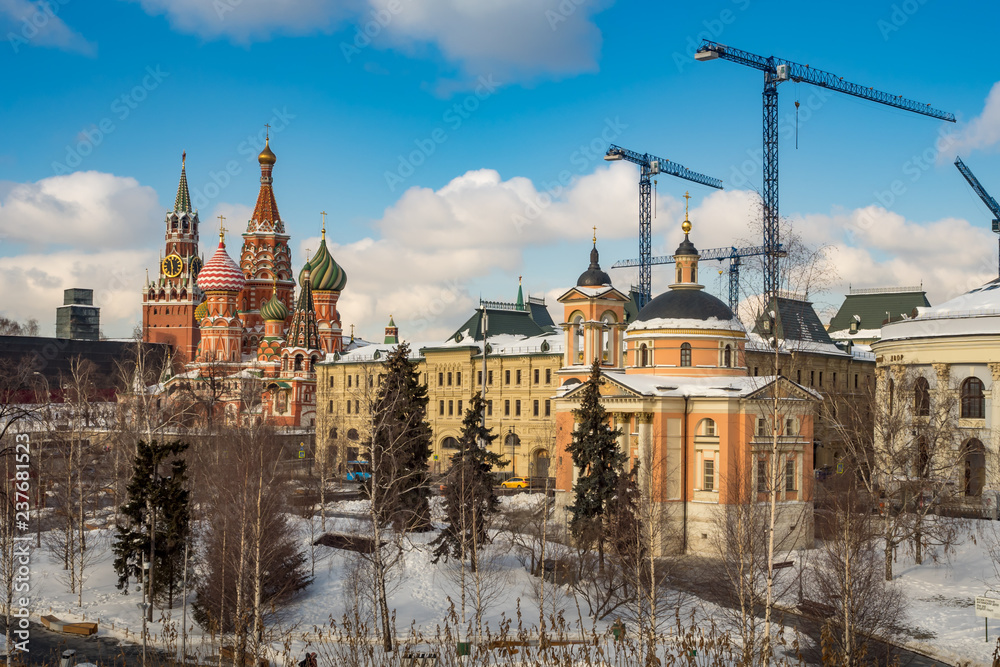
904 446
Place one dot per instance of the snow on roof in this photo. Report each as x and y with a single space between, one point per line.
975 313
738 386
756 343
864 334
686 323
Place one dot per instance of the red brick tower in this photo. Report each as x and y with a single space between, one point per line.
265 257
169 301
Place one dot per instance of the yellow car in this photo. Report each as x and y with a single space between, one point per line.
515 483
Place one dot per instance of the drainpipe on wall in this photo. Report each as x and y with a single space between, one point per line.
684 484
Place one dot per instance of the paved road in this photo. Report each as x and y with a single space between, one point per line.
46 647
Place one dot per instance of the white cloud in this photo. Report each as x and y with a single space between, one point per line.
979 133
33 286
85 210
28 23
435 245
512 39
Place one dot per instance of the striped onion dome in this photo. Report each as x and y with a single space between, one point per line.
273 310
326 274
221 274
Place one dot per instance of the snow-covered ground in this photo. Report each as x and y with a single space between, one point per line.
940 592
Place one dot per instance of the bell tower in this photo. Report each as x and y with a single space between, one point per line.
169 300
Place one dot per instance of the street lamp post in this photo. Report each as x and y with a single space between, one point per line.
39 494
143 606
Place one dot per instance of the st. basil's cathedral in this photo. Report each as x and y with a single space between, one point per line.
232 326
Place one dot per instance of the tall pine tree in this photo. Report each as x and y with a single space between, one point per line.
601 463
154 494
400 446
470 499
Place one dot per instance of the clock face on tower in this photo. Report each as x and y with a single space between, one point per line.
172 266
195 265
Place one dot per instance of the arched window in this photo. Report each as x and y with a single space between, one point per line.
643 355
923 462
921 397
694 274
973 401
685 354
678 274
706 427
298 362
974 473
727 356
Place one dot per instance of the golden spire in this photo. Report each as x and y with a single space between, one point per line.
274 285
323 213
686 225
222 229
184 156
595 234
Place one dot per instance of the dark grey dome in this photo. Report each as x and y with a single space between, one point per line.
688 304
593 276
686 247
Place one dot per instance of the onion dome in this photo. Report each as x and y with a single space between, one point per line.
273 310
594 276
326 274
267 156
201 312
221 273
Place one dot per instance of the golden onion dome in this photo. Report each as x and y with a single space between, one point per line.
267 156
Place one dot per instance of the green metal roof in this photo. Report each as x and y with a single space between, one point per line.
500 321
874 307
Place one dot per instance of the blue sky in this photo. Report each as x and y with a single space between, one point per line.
496 101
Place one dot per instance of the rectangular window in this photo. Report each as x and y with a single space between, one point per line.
479 378
534 409
348 407
790 427
489 378
548 408
518 376
449 378
506 408
357 380
821 378
755 371
790 475
506 377
761 476
855 380
798 375
812 378
708 480
548 376
835 380
489 408
440 379
451 408
348 381
357 409
761 427
458 378
331 382
441 408
459 406
331 407
537 374
517 408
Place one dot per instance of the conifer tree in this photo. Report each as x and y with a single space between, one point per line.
400 446
596 455
152 496
470 499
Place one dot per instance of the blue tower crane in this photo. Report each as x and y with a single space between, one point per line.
650 165
977 187
777 70
733 254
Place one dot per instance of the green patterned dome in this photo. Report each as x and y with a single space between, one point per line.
273 310
327 275
201 312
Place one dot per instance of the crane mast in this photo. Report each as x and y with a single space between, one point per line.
777 70
650 165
